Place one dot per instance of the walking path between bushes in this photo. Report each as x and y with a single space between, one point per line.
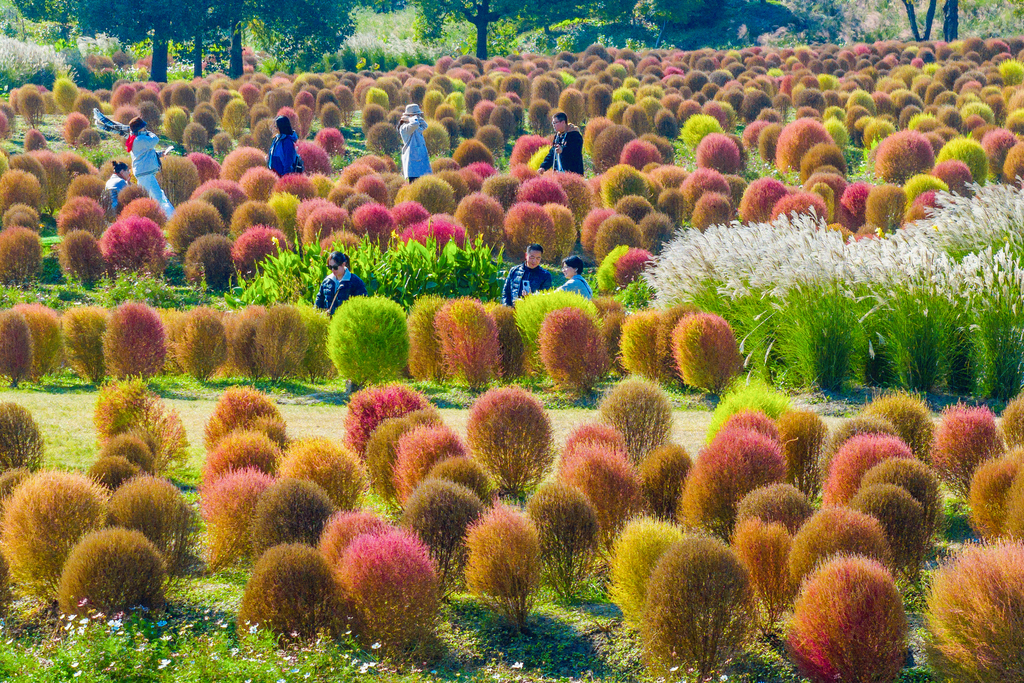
67 425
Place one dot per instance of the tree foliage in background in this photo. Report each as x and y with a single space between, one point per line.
61 12
303 31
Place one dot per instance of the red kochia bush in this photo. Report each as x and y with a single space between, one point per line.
227 505
631 265
254 245
526 223
15 347
296 184
760 198
241 450
344 527
854 459
437 228
331 141
468 338
510 433
135 343
134 244
375 221
702 181
593 434
482 216
854 203
81 213
706 351
606 477
525 147
369 407
572 350
720 152
800 203
902 155
408 213
240 408
965 438
639 153
393 584
832 532
542 190
795 139
418 451
956 174
849 624
735 463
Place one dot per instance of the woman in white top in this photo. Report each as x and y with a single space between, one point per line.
572 269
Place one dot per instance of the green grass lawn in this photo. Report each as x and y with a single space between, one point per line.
194 639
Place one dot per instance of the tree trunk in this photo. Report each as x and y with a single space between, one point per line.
158 72
235 68
481 37
912 15
951 20
197 54
929 20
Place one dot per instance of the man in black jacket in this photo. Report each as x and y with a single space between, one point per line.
527 277
340 284
567 148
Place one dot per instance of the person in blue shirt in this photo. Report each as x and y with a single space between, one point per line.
340 285
282 156
572 269
527 277
118 181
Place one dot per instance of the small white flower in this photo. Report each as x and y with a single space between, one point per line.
375 646
163 663
517 665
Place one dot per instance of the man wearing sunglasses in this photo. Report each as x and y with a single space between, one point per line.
339 285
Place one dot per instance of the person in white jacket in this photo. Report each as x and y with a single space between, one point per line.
415 157
141 144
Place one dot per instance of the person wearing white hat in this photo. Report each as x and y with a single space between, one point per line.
415 158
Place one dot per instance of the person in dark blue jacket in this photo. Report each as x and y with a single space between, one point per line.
340 285
529 276
282 156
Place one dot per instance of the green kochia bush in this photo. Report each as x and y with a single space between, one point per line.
368 340
531 311
504 564
753 396
635 555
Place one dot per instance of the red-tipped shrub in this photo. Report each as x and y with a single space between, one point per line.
240 408
134 244
836 531
763 548
509 432
241 450
803 435
849 624
608 146
593 434
639 153
20 187
258 183
902 155
631 266
418 451
760 198
135 343
468 340
973 613
227 505
482 216
800 203
21 254
241 160
343 528
706 351
796 138
698 608
735 463
375 221
852 461
526 223
296 184
408 213
81 213
956 174
393 585
720 152
335 469
525 147
964 438
702 181
854 203
580 370
15 347
369 407
324 221
542 190
143 207
608 480
331 141
253 246
503 567
314 157
436 228
754 421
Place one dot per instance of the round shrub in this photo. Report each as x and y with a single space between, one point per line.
237 409
641 411
21 216
732 465
134 244
418 451
918 480
973 608
803 435
142 207
112 571
253 246
605 476
957 176
849 624
885 207
237 162
794 141
468 339
241 450
966 150
368 340
21 254
706 351
503 568
592 434
381 449
697 613
1013 422
622 181
227 504
192 220
776 504
209 260
134 343
393 585
80 257
615 231
964 438
763 549
568 529
440 512
799 203
111 472
343 528
335 469
289 511
571 328
21 444
509 432
20 187
852 461
482 216
81 213
154 507
201 347
634 556
711 208
719 152
133 447
42 522
836 531
44 325
526 223
608 146
83 329
369 408
15 346
903 155
902 520
425 359
432 193
697 127
466 472
662 477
